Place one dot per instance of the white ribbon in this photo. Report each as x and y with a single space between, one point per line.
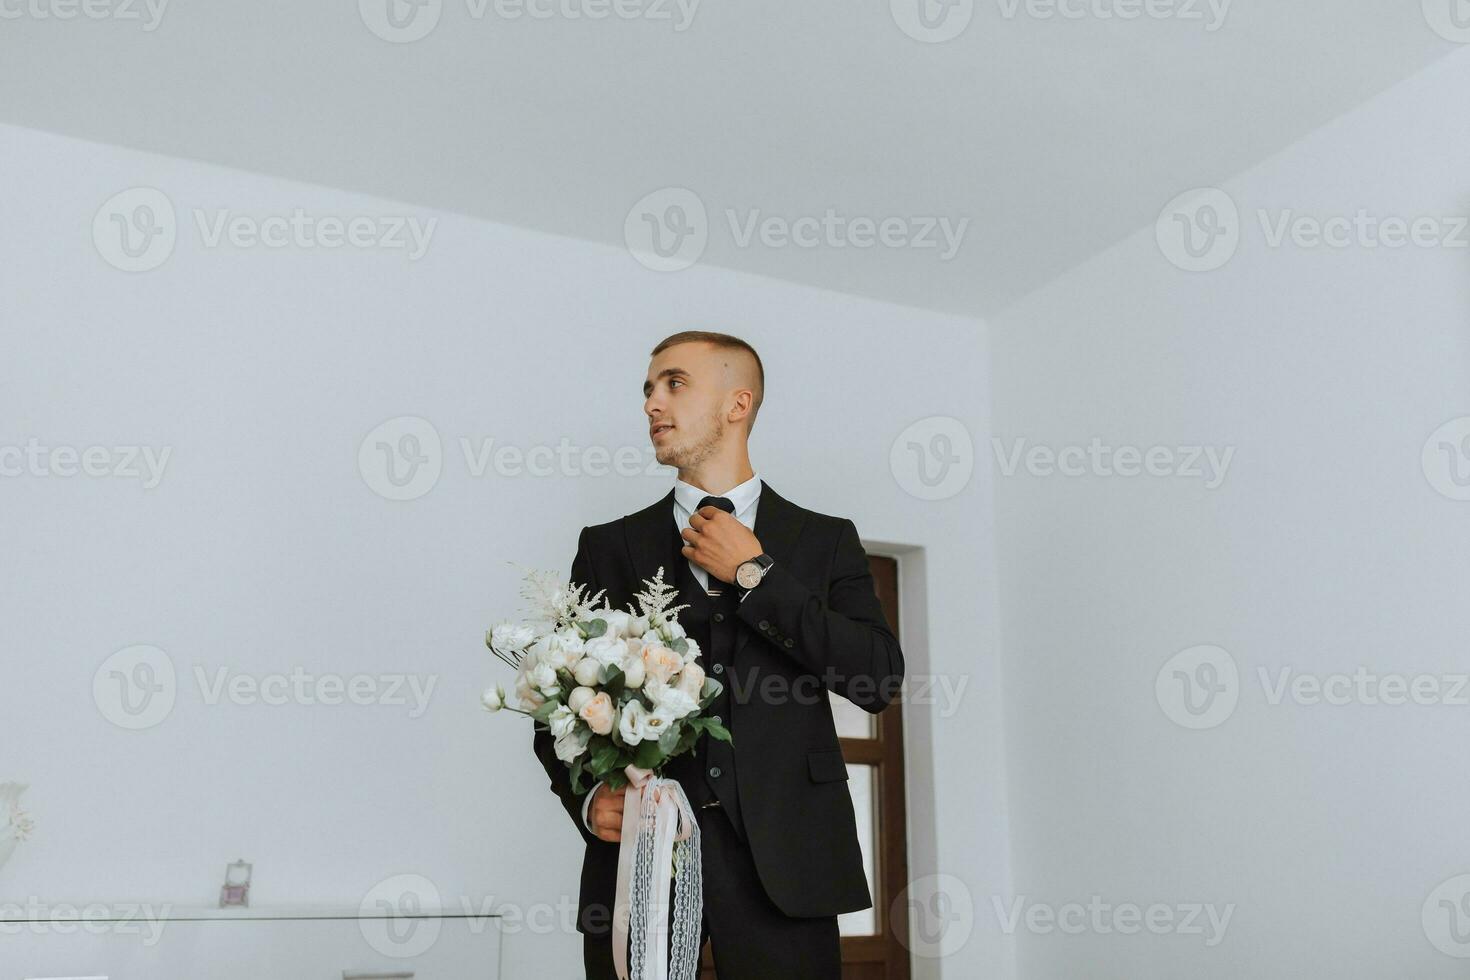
656 818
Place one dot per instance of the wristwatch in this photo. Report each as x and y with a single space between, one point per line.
749 574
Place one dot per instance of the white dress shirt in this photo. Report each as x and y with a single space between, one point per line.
745 497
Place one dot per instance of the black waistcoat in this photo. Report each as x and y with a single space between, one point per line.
708 772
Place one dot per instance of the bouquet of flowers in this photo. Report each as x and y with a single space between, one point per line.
615 688
622 693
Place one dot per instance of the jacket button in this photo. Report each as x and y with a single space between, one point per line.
714 771
719 617
719 668
790 642
717 720
764 625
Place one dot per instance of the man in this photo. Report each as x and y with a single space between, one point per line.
782 606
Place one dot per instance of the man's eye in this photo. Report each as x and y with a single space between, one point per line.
675 381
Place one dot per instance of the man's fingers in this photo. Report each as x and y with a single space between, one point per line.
607 814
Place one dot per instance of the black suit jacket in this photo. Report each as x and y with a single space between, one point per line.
813 625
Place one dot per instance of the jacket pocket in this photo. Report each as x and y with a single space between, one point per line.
826 765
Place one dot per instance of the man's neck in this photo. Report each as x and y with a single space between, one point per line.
716 478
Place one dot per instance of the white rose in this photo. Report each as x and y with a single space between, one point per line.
569 639
606 649
510 636
671 631
494 698
572 745
617 622
562 721
526 693
691 654
560 654
543 678
633 672
579 697
637 625
671 701
631 722
587 672
537 651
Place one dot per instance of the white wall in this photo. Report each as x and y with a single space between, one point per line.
1326 548
263 549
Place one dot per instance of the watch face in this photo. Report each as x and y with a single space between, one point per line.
748 575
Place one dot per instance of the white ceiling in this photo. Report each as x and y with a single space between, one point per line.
1055 137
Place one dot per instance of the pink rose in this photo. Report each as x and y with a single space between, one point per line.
660 663
598 713
691 680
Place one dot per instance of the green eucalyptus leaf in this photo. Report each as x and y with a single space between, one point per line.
649 755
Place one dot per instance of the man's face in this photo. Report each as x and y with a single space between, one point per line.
685 401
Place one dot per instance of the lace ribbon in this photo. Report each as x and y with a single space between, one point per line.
660 846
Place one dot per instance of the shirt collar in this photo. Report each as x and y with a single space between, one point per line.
742 496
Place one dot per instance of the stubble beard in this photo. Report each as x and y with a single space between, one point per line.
687 457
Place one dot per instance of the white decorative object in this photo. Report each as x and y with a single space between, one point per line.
15 824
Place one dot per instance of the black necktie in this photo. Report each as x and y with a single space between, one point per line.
716 587
724 503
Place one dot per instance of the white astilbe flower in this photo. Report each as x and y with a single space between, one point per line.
556 601
655 603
